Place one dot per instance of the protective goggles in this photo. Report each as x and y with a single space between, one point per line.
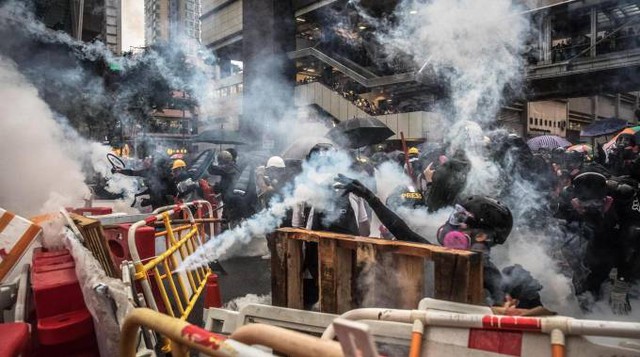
459 216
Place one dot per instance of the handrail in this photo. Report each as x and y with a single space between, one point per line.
372 82
287 342
184 336
566 325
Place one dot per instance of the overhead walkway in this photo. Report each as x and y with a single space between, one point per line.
413 124
354 71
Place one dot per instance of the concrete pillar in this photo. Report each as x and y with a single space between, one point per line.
594 107
594 31
269 75
618 102
545 39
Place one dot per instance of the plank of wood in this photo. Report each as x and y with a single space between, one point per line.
476 280
352 242
444 267
344 270
327 257
364 274
279 270
460 280
294 274
409 271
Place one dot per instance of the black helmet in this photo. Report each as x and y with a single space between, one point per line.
589 186
406 196
489 214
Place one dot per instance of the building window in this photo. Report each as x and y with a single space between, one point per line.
530 121
536 121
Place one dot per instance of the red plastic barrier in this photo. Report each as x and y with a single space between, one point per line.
52 267
212 296
56 292
65 327
119 247
39 253
14 339
60 259
91 211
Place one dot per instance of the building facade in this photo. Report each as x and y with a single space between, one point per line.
577 70
171 20
86 20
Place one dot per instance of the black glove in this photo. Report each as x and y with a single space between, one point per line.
114 170
619 297
354 186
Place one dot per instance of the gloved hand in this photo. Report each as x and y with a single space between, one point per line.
354 186
619 297
187 186
114 170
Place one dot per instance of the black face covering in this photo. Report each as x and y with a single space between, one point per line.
592 210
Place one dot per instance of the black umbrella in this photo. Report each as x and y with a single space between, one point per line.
604 127
220 137
300 148
358 132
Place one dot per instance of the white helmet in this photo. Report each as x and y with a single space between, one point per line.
275 161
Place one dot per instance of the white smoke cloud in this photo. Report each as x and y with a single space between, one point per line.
37 174
314 185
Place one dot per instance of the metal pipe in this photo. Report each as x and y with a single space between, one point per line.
375 314
287 342
416 339
557 343
568 326
182 333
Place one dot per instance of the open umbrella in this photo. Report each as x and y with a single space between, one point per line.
547 142
634 131
604 127
583 148
301 147
358 132
220 137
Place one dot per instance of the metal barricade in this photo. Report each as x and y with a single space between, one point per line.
165 289
183 336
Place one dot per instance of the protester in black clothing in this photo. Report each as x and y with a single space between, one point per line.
157 179
228 172
594 218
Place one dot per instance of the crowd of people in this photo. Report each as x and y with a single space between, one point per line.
609 41
348 93
591 200
593 203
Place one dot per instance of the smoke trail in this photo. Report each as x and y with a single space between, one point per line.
314 186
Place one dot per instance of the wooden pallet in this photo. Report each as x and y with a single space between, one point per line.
360 272
94 240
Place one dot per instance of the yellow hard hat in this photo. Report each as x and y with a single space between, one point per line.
178 164
414 151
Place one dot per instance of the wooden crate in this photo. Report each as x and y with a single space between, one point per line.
361 272
94 240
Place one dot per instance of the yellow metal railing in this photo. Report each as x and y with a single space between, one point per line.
164 288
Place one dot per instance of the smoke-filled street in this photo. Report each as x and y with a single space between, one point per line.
323 156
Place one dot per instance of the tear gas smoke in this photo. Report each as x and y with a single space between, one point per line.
475 47
314 186
37 175
239 303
